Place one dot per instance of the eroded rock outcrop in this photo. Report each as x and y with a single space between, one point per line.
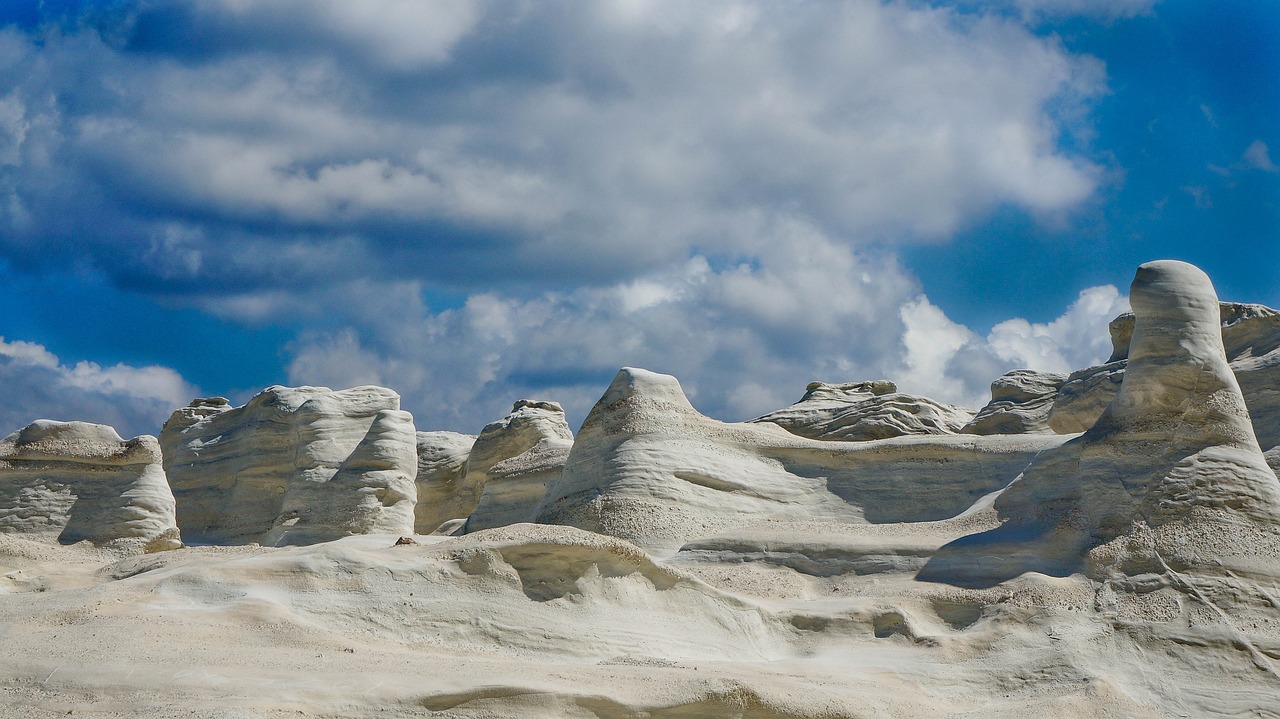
861 411
647 467
293 465
442 465
1169 480
77 481
372 491
512 462
1020 404
1251 341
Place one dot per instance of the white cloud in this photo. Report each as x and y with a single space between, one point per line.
1077 339
711 189
1258 156
520 142
743 339
134 400
397 34
931 341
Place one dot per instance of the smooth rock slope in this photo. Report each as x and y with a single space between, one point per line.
1251 341
76 481
442 467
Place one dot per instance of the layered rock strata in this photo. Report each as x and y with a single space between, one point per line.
77 481
514 460
1170 479
866 410
1020 404
293 465
649 468
1251 341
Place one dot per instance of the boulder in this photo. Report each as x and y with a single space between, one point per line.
264 472
1020 404
1170 480
514 460
648 468
77 481
442 465
861 411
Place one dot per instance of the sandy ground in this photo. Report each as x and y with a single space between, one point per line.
534 621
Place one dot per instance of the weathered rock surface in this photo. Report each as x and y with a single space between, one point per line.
442 465
866 410
372 492
77 481
1251 341
264 472
1084 396
1170 479
514 460
1020 404
649 468
1128 572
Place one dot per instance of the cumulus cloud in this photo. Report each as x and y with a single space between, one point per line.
712 189
1079 338
38 385
503 142
743 338
947 360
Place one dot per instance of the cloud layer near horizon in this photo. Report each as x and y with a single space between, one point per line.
710 189
41 386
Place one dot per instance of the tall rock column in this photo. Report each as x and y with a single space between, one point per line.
1170 477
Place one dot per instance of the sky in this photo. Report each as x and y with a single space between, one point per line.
478 201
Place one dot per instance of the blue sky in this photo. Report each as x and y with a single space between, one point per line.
475 201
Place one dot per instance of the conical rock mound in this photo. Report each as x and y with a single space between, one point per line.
647 467
1170 477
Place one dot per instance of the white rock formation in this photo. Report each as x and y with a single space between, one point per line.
1169 479
1251 340
649 468
293 465
795 593
514 460
442 465
1020 404
371 492
1084 396
866 410
76 481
